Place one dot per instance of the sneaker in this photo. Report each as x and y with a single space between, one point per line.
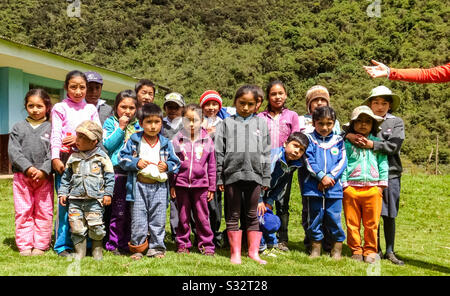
268 253
282 246
391 257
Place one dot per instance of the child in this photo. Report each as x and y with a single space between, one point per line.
383 102
285 160
93 94
326 161
363 181
211 104
88 183
281 122
65 117
145 92
173 107
148 157
118 129
243 165
316 96
29 153
195 183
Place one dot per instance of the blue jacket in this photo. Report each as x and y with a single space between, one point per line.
114 138
281 174
325 156
129 157
88 174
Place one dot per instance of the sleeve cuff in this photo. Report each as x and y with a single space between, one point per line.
320 175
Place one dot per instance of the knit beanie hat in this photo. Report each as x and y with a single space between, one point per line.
210 95
317 91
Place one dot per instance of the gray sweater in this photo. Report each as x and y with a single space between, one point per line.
242 150
392 135
29 147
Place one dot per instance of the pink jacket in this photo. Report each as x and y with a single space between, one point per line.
66 116
198 161
281 127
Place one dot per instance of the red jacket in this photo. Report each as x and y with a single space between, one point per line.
433 75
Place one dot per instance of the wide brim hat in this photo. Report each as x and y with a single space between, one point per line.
384 92
174 97
363 110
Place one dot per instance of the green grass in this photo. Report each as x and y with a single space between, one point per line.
422 241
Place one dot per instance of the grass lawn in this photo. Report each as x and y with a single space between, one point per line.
422 241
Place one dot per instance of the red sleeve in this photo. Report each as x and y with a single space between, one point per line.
432 75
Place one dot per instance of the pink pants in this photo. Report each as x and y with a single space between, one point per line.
33 204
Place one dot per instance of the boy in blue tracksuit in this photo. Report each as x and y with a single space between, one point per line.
148 157
284 161
326 161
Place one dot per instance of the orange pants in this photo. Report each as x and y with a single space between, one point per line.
362 203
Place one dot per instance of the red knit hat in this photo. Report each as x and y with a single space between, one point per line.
210 95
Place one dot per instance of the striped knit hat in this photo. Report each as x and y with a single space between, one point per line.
317 91
210 95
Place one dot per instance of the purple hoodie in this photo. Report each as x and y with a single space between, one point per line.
198 161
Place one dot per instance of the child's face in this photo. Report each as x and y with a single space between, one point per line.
145 95
192 122
211 108
294 150
152 125
36 107
126 107
380 106
245 105
363 124
316 103
83 143
173 110
277 96
324 126
76 89
93 92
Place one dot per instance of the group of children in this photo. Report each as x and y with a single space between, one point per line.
116 174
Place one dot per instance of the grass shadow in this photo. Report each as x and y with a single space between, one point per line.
11 243
425 265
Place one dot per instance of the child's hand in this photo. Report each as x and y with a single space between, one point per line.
123 122
142 163
30 172
106 200
379 70
210 195
265 188
63 200
366 144
211 129
221 188
320 187
380 189
261 208
172 193
69 140
162 166
39 175
356 139
327 182
58 165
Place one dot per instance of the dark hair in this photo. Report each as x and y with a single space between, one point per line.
128 93
386 98
298 137
143 82
324 112
260 92
269 87
193 107
44 96
373 131
72 74
246 89
149 109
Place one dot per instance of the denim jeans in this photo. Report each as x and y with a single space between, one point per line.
86 219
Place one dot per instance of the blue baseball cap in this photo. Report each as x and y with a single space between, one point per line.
92 76
270 222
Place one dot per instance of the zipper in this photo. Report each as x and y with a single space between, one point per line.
190 166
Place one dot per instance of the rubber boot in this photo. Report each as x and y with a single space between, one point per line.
336 251
254 240
235 240
80 249
97 249
316 246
